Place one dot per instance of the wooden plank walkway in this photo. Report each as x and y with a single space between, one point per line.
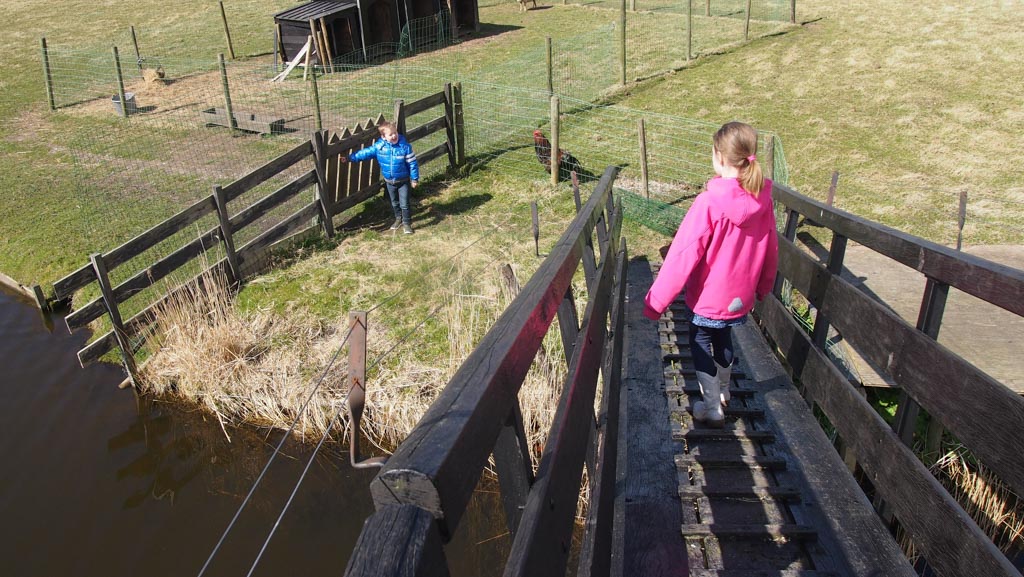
765 496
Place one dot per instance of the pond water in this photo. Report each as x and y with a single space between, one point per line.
97 481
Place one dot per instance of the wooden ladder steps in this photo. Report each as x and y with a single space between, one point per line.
737 411
732 462
790 494
695 390
728 435
743 530
760 573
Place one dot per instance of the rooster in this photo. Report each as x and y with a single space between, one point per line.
567 163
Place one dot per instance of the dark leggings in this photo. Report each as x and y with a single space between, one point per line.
709 346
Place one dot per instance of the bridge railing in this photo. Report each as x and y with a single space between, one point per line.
981 412
423 490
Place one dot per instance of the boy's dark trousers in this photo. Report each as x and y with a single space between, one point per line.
398 191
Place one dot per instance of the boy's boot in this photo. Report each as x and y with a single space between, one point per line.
397 224
724 374
709 409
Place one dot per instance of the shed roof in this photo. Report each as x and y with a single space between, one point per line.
315 9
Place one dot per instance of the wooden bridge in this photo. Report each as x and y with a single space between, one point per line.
768 495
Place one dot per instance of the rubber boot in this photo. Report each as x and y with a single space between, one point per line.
724 374
709 408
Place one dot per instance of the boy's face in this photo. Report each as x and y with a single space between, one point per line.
389 135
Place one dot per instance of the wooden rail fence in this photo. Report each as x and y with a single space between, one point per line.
978 410
425 486
338 187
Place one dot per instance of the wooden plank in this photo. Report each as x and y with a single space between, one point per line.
421 553
432 153
551 508
144 278
758 492
514 466
449 125
253 212
729 435
426 129
425 103
1000 285
775 531
354 140
287 226
731 462
132 326
761 573
350 201
950 388
66 286
261 174
945 534
438 465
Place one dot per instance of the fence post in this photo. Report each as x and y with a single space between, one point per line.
326 211
792 11
643 159
632 5
689 30
47 75
400 115
769 157
227 32
961 219
555 157
536 227
226 234
460 126
449 124
622 43
707 8
227 93
120 83
316 102
832 188
746 23
100 268
551 79
138 55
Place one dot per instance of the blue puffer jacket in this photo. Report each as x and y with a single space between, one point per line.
397 161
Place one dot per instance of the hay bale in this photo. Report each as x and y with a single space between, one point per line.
153 75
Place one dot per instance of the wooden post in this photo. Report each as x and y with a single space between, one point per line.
309 52
120 83
316 101
460 126
551 79
227 32
47 76
622 43
832 188
226 234
138 55
536 228
769 157
707 8
326 46
643 159
632 5
278 52
554 139
792 11
399 119
128 357
322 192
746 23
449 124
689 30
227 93
315 35
961 219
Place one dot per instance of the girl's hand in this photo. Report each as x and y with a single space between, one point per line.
414 183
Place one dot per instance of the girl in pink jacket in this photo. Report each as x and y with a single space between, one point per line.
724 256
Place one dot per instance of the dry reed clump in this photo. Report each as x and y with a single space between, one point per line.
255 367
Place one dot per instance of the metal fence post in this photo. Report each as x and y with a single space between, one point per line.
120 83
48 77
555 156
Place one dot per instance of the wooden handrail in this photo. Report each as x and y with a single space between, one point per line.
437 467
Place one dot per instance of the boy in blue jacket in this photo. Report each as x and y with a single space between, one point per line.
399 168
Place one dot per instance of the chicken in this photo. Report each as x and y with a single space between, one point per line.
567 163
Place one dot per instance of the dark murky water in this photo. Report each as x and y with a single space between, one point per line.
99 482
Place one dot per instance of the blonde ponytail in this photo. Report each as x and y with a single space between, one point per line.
751 176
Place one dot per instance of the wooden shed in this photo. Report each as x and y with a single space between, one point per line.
346 27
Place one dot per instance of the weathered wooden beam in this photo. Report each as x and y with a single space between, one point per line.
426 129
425 103
272 168
420 554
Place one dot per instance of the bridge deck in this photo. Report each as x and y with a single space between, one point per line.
766 496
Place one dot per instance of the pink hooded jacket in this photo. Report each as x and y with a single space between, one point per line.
725 253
